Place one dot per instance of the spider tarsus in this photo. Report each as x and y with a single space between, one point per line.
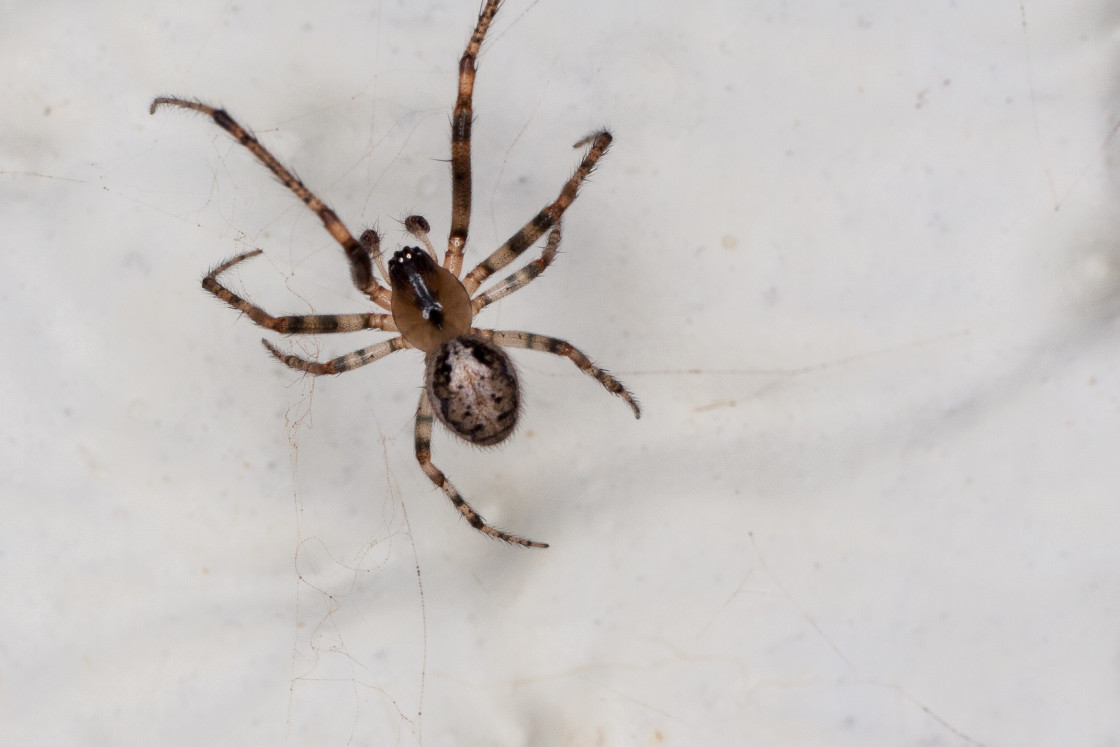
273 349
480 524
198 106
634 406
623 392
475 520
513 540
603 133
224 266
496 533
294 361
159 101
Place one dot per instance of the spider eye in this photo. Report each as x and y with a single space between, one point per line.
412 273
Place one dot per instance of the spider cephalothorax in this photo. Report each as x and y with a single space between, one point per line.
430 305
470 383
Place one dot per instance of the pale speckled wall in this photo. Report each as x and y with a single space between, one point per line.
858 261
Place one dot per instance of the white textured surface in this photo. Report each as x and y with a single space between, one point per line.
859 261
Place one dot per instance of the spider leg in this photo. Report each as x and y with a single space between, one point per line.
543 220
531 341
423 441
461 143
343 363
304 324
522 277
361 271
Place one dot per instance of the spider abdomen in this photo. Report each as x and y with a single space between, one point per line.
472 385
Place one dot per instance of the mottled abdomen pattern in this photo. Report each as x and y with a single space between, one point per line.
472 386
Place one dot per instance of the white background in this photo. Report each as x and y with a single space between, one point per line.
858 260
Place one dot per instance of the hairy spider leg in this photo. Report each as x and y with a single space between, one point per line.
343 363
423 441
461 144
361 271
543 220
302 324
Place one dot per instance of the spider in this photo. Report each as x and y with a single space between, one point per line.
470 383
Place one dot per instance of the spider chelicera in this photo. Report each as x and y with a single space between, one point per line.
470 383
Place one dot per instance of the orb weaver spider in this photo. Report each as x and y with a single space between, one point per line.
470 383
